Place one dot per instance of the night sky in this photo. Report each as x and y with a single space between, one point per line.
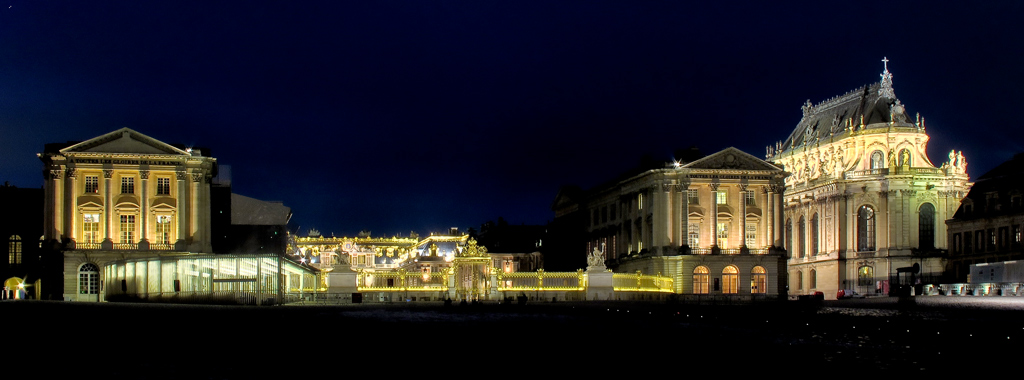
398 116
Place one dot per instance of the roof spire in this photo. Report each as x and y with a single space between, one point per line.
886 88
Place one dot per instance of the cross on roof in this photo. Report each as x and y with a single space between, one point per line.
885 62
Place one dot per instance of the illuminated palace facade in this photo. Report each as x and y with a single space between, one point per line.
432 254
710 224
133 218
864 199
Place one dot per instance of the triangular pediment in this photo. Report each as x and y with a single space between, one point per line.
732 159
124 140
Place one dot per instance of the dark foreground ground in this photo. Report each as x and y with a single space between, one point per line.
401 340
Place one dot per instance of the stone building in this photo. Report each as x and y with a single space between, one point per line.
987 226
123 195
711 224
864 198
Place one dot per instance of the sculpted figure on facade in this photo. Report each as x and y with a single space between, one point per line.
595 260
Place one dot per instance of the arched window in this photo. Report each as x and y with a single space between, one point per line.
799 280
789 235
877 160
730 280
926 226
758 280
14 250
802 251
700 280
865 276
814 234
866 228
88 279
813 278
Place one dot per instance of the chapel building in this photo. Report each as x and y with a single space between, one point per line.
864 199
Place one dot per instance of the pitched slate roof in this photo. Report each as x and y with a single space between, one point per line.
249 211
870 104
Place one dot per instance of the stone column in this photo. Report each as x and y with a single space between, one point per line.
743 216
108 210
182 211
768 217
70 178
713 210
684 214
144 209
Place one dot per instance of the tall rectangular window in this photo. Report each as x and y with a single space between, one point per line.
127 228
691 195
90 228
92 184
14 250
722 197
694 235
750 199
163 229
723 235
751 238
127 185
163 186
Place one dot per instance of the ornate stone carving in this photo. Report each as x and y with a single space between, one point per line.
56 173
144 174
107 173
885 90
908 193
197 177
71 173
182 175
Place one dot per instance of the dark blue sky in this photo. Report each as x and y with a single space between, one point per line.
421 115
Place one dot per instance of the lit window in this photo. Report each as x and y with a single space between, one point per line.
700 280
640 201
723 235
722 196
14 250
865 276
691 195
163 186
90 228
92 184
89 279
694 235
127 228
751 238
730 280
163 229
758 280
127 185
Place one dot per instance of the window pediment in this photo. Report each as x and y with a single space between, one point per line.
165 202
90 202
